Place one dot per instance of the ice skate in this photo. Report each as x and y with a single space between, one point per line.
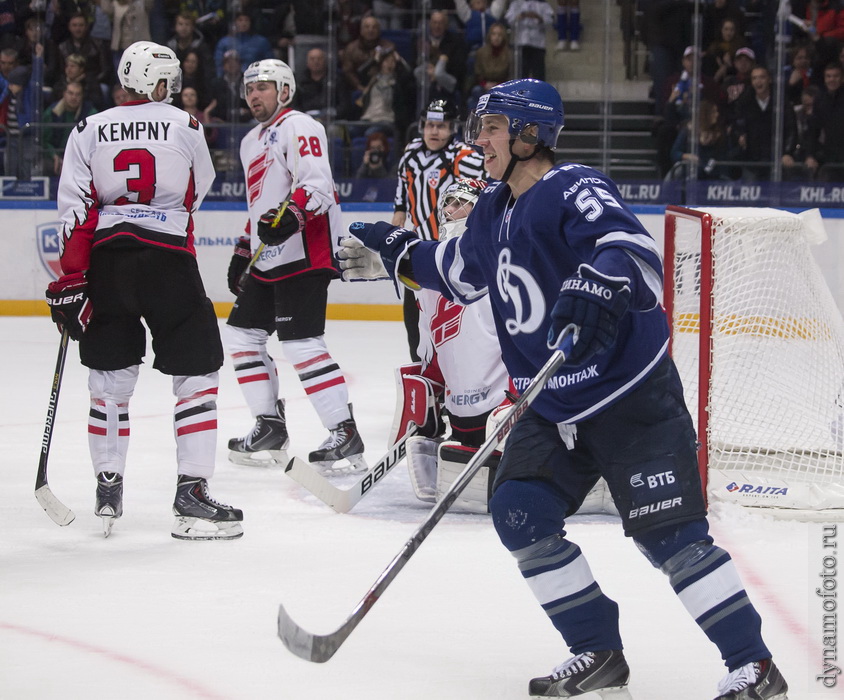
266 445
343 442
200 517
109 499
760 680
604 674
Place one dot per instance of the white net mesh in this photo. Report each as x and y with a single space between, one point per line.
776 373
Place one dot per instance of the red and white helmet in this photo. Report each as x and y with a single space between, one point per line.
274 71
455 205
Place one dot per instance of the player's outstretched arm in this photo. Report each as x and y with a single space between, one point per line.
393 244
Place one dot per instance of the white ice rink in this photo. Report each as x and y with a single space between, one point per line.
141 615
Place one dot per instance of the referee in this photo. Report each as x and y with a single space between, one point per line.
427 167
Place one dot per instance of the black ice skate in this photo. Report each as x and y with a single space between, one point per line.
265 446
200 517
109 499
603 672
343 442
760 680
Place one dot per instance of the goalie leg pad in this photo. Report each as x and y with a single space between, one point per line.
422 467
416 402
452 459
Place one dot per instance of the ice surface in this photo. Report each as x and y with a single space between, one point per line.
141 615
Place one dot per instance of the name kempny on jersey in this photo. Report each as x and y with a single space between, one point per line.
560 381
133 131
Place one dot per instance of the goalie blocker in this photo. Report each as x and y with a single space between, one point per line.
417 402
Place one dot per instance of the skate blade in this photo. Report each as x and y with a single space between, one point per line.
355 464
263 458
620 693
108 523
188 528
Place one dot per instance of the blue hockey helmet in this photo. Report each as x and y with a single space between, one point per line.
525 103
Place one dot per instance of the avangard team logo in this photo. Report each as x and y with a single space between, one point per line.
47 236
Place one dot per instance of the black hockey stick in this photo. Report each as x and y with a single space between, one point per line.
343 500
58 511
319 648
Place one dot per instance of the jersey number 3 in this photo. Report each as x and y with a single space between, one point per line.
141 163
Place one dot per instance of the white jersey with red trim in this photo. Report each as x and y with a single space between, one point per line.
463 341
294 141
138 171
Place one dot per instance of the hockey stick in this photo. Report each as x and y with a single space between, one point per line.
343 500
283 208
60 513
319 648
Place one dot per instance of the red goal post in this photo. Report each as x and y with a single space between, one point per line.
759 343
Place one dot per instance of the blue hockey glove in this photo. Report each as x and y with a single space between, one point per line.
273 230
595 303
70 307
391 242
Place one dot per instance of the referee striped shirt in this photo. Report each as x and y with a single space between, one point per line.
423 174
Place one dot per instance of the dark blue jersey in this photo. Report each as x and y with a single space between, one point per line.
519 251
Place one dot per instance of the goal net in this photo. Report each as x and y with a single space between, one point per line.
759 343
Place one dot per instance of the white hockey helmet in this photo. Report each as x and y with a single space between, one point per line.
144 64
274 71
453 207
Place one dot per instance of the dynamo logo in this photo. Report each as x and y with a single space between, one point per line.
47 238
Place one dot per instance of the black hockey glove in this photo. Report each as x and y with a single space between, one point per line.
595 303
391 242
238 264
70 307
290 223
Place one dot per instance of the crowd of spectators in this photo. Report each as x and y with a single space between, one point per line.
58 58
737 100
58 62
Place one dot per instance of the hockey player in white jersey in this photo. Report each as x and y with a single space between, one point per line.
132 179
294 228
460 369
553 246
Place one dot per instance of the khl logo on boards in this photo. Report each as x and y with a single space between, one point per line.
47 237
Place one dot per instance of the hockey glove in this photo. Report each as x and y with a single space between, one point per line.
392 243
70 307
358 262
292 221
238 264
595 303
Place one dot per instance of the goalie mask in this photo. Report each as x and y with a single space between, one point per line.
144 64
274 71
455 205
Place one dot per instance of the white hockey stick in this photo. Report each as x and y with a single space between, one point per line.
58 511
319 648
343 500
294 183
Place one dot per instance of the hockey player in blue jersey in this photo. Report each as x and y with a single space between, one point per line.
553 245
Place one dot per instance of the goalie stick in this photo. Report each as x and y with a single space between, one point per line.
343 500
60 513
319 648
